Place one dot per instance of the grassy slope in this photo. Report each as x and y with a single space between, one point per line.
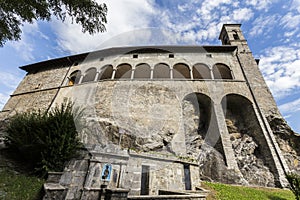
19 186
229 192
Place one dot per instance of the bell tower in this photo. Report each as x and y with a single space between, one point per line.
231 34
263 101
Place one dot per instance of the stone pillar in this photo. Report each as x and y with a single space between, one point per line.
279 163
54 191
226 143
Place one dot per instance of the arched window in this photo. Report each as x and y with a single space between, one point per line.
74 77
181 71
123 71
161 70
221 71
201 71
106 72
89 75
142 71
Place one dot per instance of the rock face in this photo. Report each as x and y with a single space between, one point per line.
213 167
129 140
249 157
288 140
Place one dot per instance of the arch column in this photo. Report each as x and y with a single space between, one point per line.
97 76
226 143
279 161
113 74
80 79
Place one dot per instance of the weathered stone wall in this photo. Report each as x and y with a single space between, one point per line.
42 79
29 101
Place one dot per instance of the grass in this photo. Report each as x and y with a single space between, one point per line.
19 186
229 192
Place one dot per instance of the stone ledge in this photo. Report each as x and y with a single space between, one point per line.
53 186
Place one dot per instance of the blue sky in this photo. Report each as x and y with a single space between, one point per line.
272 28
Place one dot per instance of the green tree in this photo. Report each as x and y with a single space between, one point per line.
46 140
14 13
294 181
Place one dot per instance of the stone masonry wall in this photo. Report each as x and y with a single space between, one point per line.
43 79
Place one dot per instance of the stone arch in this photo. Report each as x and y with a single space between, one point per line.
74 77
89 75
201 71
181 71
200 124
161 71
142 71
248 142
106 72
123 71
221 71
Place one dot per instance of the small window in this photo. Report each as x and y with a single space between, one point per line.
135 56
74 78
235 36
171 55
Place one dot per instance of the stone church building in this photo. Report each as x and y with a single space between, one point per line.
159 119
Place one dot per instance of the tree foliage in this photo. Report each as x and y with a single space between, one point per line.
88 13
46 140
294 181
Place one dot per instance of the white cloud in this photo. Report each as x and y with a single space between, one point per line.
127 16
3 100
280 66
9 80
24 46
290 107
208 6
296 5
260 4
262 25
242 14
290 20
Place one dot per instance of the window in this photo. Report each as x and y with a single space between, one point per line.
142 71
161 71
181 71
123 71
106 72
74 77
201 71
221 71
235 35
90 75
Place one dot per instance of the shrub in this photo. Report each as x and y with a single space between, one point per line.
294 181
45 139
